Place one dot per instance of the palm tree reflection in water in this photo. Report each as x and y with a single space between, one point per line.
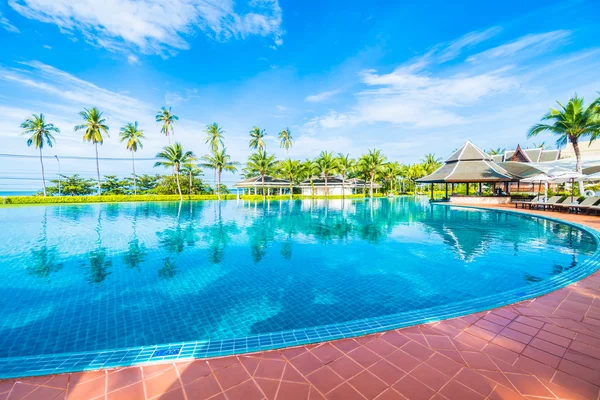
45 259
98 258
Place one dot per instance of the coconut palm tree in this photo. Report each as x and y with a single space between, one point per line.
191 170
571 123
285 139
133 135
41 134
94 126
345 165
173 156
292 170
168 120
219 161
327 166
214 137
391 172
261 164
311 170
371 164
257 141
496 151
431 163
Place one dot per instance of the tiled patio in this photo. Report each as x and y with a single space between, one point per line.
547 348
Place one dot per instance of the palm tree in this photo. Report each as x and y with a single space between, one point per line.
133 135
257 141
310 169
285 137
327 166
94 126
571 123
168 119
431 163
345 165
191 170
371 164
261 164
173 156
214 136
391 172
41 134
214 139
496 151
219 161
292 170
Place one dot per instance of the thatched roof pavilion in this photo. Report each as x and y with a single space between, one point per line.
469 164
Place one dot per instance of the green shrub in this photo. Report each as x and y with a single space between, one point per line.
151 197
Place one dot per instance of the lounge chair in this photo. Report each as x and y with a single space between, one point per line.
548 203
593 209
523 203
584 205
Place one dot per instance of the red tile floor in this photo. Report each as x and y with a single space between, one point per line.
547 348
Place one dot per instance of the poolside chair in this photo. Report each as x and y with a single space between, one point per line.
593 209
584 205
549 204
523 203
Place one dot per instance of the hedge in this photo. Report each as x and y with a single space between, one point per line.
149 197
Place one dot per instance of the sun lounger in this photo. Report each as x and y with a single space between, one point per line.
546 204
523 203
593 209
584 205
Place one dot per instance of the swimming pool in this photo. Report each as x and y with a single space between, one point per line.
91 286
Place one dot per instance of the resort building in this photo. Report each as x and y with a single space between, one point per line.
527 155
275 185
471 166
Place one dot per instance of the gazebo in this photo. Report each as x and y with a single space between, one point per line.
469 165
256 182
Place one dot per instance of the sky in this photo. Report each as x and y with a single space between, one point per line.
408 78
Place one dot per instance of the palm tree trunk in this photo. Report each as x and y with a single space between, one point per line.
134 177
43 176
98 171
326 188
219 185
575 143
371 186
312 188
178 185
263 186
215 178
343 187
291 189
191 182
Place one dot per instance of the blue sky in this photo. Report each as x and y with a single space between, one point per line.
406 77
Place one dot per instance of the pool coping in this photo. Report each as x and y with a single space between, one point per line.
37 365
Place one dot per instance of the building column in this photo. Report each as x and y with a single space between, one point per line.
467 188
446 190
432 198
480 189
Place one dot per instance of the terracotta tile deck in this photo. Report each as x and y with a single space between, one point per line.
547 348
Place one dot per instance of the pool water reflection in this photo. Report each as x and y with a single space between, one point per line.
93 277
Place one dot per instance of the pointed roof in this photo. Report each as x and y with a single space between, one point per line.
468 164
519 155
468 152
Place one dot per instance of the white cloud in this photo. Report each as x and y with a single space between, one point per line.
321 97
157 26
453 49
133 60
68 88
47 47
280 107
6 25
533 43
411 96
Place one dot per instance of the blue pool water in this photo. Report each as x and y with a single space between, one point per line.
85 278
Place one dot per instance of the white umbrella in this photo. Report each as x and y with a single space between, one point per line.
568 176
541 177
592 177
